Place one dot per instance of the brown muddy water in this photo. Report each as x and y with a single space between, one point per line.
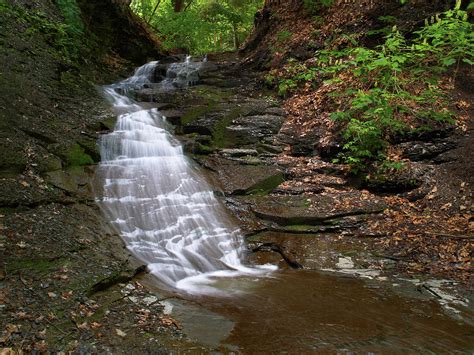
312 312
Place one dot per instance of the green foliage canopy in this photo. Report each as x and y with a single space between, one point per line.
201 26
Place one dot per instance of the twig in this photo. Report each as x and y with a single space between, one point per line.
394 258
431 291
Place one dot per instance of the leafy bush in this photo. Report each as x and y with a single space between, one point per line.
393 88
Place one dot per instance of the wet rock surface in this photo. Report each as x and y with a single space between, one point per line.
245 175
313 210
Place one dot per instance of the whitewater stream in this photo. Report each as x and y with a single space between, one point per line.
165 211
169 218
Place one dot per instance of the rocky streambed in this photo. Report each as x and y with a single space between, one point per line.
68 282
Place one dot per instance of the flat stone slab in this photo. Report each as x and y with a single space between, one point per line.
241 179
236 152
251 129
313 210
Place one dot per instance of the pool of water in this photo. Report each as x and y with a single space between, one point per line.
299 311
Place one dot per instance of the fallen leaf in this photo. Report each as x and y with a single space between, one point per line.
41 346
9 330
96 325
84 325
65 295
21 245
22 315
41 335
120 333
168 321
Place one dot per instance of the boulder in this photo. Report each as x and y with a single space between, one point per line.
418 150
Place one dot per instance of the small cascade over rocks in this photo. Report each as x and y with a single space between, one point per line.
181 75
165 211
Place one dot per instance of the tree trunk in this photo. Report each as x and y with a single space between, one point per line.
236 36
178 5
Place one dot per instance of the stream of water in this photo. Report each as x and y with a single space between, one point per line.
165 211
169 218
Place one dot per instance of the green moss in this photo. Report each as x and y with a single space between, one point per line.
203 149
90 148
212 94
264 187
196 113
77 156
109 122
147 335
219 130
37 266
72 15
284 35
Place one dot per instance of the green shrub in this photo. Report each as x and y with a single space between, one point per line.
401 84
393 88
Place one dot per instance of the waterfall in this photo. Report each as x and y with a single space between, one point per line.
152 194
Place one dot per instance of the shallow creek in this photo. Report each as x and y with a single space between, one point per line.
166 212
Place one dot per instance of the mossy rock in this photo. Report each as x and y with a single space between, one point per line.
220 137
195 113
91 148
39 266
74 180
50 163
107 123
314 210
267 185
77 156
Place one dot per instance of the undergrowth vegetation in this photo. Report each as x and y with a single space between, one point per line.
65 36
396 88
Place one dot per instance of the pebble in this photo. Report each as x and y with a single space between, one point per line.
150 300
345 263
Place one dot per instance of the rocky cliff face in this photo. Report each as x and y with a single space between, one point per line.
117 28
52 51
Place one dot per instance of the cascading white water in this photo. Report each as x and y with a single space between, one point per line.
165 211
